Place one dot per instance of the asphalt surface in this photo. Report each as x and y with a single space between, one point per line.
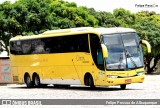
150 89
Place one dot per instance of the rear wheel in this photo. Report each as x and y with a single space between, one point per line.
123 86
36 81
28 81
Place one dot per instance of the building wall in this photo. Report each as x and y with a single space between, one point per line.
5 73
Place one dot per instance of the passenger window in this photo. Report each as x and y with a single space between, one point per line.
61 44
26 47
38 46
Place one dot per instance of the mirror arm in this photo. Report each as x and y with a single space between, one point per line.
147 44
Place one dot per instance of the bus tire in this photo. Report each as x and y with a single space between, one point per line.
123 86
36 80
91 82
88 80
28 81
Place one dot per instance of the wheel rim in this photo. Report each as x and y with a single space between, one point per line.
36 81
28 80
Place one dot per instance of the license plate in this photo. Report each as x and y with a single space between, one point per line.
128 81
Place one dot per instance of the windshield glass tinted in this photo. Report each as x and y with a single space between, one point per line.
124 51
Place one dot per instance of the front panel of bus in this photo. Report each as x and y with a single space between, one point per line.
124 63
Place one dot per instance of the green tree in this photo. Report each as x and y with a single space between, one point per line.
9 25
105 19
124 17
147 26
35 16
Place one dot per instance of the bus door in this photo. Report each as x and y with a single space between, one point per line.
98 61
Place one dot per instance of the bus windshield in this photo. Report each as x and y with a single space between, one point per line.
124 51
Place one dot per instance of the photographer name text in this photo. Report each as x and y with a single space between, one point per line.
146 5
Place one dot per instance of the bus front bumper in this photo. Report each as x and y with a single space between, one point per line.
127 80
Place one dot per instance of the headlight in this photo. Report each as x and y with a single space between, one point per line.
112 76
140 73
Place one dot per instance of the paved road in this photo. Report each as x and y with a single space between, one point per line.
150 89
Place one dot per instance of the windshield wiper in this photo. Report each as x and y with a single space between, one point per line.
129 56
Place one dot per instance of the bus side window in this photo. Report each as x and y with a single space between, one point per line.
96 51
83 43
18 48
26 47
12 47
15 47
78 43
38 46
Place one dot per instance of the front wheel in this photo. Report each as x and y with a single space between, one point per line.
89 81
123 86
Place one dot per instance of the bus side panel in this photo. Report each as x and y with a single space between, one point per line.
21 72
18 74
15 76
63 70
85 64
81 60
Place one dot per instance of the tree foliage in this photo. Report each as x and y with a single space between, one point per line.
26 17
35 16
148 26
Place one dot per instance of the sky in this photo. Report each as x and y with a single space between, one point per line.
109 5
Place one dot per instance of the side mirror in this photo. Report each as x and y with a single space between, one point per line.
104 51
147 45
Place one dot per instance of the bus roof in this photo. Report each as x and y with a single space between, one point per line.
72 31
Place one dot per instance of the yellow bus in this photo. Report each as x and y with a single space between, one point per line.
78 56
